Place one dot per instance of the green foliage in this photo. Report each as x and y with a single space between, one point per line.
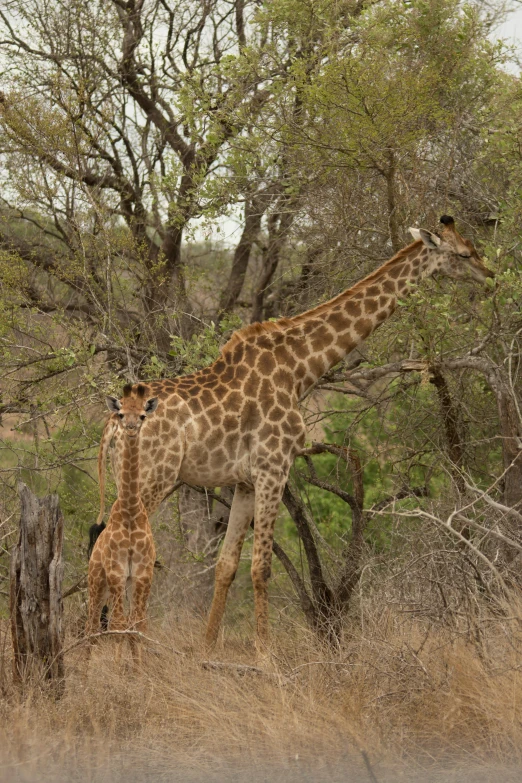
203 347
394 79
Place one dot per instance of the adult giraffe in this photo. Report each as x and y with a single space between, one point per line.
238 422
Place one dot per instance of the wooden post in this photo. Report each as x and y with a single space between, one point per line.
36 588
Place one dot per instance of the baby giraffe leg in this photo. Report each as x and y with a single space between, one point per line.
138 616
117 621
97 596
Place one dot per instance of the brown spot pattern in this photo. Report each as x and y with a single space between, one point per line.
238 421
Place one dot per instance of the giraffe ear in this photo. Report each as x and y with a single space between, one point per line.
113 404
432 241
151 405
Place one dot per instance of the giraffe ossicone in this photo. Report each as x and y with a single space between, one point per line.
122 559
238 421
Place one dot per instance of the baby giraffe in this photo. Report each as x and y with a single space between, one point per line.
124 554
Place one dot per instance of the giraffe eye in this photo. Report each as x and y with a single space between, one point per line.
142 416
120 415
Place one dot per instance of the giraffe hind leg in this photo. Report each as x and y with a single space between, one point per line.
241 514
97 597
95 532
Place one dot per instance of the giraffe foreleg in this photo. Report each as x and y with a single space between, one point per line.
241 514
117 620
269 490
141 587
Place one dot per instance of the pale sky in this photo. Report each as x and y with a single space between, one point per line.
511 32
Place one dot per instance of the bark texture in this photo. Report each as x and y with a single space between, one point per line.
36 588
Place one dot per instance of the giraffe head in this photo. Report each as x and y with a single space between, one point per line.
132 409
450 254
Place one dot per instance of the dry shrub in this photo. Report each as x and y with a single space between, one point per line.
426 683
401 689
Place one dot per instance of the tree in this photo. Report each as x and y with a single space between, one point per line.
330 127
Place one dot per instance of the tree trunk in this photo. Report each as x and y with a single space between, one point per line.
36 588
325 606
279 223
165 296
254 209
452 428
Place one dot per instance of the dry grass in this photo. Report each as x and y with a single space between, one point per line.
408 693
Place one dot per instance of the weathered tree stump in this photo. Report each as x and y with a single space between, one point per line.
36 588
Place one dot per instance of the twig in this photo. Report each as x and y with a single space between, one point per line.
297 669
209 494
490 531
371 773
499 506
448 526
240 668
85 639
75 588
417 492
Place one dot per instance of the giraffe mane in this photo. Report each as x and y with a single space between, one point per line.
375 275
255 330
282 324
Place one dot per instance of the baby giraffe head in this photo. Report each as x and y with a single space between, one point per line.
450 254
132 409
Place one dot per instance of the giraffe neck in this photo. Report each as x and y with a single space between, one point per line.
332 330
129 499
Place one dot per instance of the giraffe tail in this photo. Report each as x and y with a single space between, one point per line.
94 534
98 527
